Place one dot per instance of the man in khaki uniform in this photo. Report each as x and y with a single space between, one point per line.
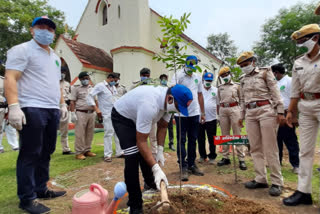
261 107
64 125
229 115
305 99
83 116
121 89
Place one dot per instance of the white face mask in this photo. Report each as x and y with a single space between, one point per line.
207 83
171 108
248 69
308 44
227 78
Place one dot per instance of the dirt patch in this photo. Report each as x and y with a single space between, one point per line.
191 201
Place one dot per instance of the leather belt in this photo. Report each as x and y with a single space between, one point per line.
309 96
228 105
257 104
86 111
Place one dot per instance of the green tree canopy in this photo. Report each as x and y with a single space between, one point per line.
276 42
16 17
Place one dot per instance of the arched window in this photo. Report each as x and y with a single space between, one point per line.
105 15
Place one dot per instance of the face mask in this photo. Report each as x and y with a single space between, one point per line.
85 82
227 78
248 69
44 37
171 108
112 83
207 83
63 76
308 44
188 71
164 82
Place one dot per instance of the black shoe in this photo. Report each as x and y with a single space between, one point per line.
224 161
50 194
255 185
298 198
136 211
242 165
275 190
146 187
34 207
195 171
171 147
185 175
68 153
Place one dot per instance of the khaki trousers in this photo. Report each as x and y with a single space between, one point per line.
84 130
309 120
64 127
229 118
153 140
261 126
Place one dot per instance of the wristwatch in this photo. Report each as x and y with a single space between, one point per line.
203 114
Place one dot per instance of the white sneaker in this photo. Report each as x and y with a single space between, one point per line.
295 170
201 160
211 161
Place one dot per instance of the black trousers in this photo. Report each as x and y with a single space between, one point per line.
126 132
170 130
211 129
37 143
288 136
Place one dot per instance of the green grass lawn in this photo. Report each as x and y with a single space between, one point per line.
61 164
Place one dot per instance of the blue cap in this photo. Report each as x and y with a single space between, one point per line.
183 96
43 20
191 61
208 76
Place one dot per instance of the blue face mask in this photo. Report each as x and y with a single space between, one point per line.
164 82
44 37
112 83
85 82
144 78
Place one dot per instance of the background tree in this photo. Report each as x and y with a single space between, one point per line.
221 46
276 43
16 17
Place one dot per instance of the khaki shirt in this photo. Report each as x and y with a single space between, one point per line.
79 95
65 86
305 76
228 93
257 86
121 90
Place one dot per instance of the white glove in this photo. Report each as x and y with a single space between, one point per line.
74 117
160 156
16 116
63 112
159 176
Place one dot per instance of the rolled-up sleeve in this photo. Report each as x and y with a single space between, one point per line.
91 96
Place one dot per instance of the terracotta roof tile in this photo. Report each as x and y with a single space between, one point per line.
90 55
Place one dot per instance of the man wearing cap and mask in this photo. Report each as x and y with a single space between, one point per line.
286 134
164 82
106 92
210 126
35 106
144 78
305 99
64 125
121 89
229 115
83 115
189 124
132 118
262 108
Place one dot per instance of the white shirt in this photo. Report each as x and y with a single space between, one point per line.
210 103
194 83
144 105
105 94
39 85
285 90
